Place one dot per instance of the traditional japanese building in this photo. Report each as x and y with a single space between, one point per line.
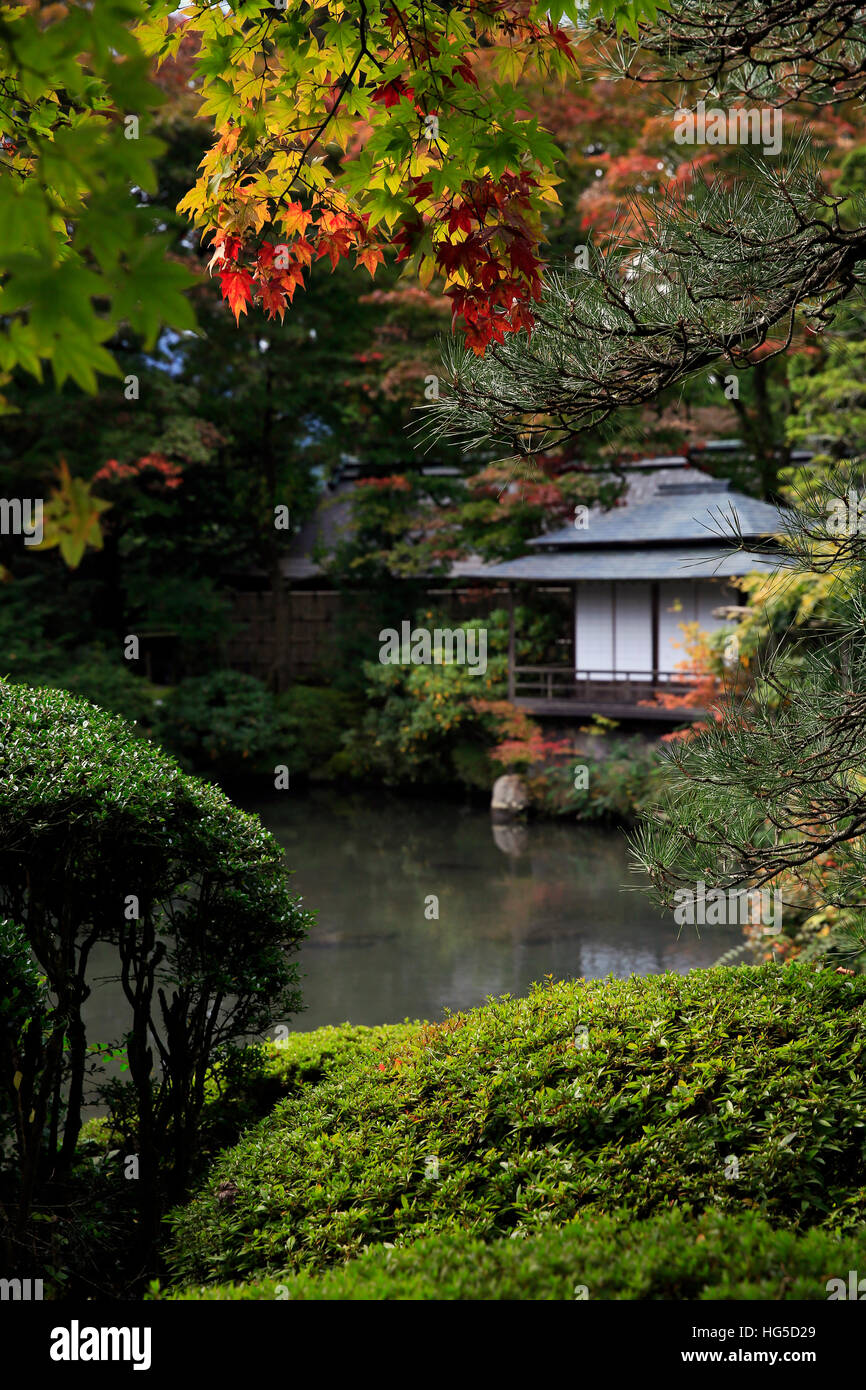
634 577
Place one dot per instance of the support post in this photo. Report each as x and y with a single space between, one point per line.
511 647
654 619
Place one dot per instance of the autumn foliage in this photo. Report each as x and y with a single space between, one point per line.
362 130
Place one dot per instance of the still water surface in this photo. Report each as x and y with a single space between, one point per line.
515 904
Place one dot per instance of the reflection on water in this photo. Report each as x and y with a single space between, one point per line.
516 903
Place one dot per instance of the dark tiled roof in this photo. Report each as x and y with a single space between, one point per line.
698 508
651 562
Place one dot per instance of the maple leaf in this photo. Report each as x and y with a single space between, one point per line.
336 222
226 249
521 258
465 71
460 218
371 257
295 218
333 246
273 299
390 93
563 42
71 518
237 288
217 257
421 189
303 250
406 238
477 337
289 280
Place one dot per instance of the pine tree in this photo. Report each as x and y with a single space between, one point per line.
715 270
721 270
773 791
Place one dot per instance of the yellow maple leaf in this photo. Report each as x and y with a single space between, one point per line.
70 518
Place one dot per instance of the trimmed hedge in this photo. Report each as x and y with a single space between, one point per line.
680 1075
675 1256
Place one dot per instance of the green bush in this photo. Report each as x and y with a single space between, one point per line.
717 1255
313 720
103 839
416 716
530 1130
619 785
225 722
247 1082
437 724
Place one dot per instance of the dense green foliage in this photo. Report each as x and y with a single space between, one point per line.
223 721
79 254
104 841
439 723
619 785
531 1128
717 1255
314 720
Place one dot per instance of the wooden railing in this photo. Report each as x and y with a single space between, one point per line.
564 683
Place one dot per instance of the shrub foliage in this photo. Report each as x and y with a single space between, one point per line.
530 1128
105 841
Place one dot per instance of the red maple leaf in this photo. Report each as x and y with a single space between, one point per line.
421 189
460 217
273 299
406 237
562 41
237 288
392 92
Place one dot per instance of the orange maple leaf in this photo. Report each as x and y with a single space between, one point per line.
295 218
273 299
334 245
371 257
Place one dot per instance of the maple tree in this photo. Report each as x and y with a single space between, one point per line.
361 129
79 252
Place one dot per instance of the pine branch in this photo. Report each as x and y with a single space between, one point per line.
777 52
714 272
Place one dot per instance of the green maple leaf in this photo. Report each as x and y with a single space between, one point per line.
71 518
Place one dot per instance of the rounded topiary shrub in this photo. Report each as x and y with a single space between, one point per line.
716 1256
105 841
721 1090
